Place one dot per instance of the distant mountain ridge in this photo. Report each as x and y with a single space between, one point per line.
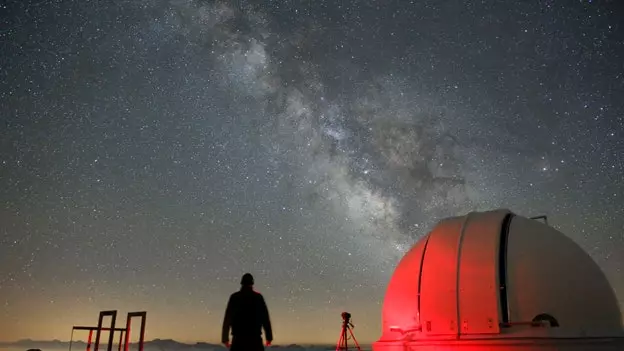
159 344
153 345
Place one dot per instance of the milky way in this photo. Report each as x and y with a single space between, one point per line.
371 152
152 152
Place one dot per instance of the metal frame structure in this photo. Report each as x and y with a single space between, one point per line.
123 341
143 316
542 217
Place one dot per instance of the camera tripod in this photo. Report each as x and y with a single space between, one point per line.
344 337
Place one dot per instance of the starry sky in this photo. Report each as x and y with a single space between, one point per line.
151 152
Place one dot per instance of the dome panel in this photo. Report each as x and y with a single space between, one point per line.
548 273
400 306
438 291
478 273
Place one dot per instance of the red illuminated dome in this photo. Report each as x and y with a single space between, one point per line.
488 280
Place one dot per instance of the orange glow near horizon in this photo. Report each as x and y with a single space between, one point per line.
41 320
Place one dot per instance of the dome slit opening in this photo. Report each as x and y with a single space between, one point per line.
502 270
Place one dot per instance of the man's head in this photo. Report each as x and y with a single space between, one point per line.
247 280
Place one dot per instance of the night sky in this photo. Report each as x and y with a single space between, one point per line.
151 152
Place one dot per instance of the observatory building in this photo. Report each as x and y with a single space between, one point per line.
498 281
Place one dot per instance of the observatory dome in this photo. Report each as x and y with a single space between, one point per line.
497 275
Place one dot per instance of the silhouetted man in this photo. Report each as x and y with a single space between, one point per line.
246 314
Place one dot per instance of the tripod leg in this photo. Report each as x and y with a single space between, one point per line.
355 340
340 340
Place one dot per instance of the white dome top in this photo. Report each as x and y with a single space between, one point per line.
495 274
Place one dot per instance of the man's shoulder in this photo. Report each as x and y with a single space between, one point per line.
246 295
258 296
235 296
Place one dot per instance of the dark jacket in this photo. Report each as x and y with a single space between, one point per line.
246 313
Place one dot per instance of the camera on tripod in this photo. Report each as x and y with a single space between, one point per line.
346 333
